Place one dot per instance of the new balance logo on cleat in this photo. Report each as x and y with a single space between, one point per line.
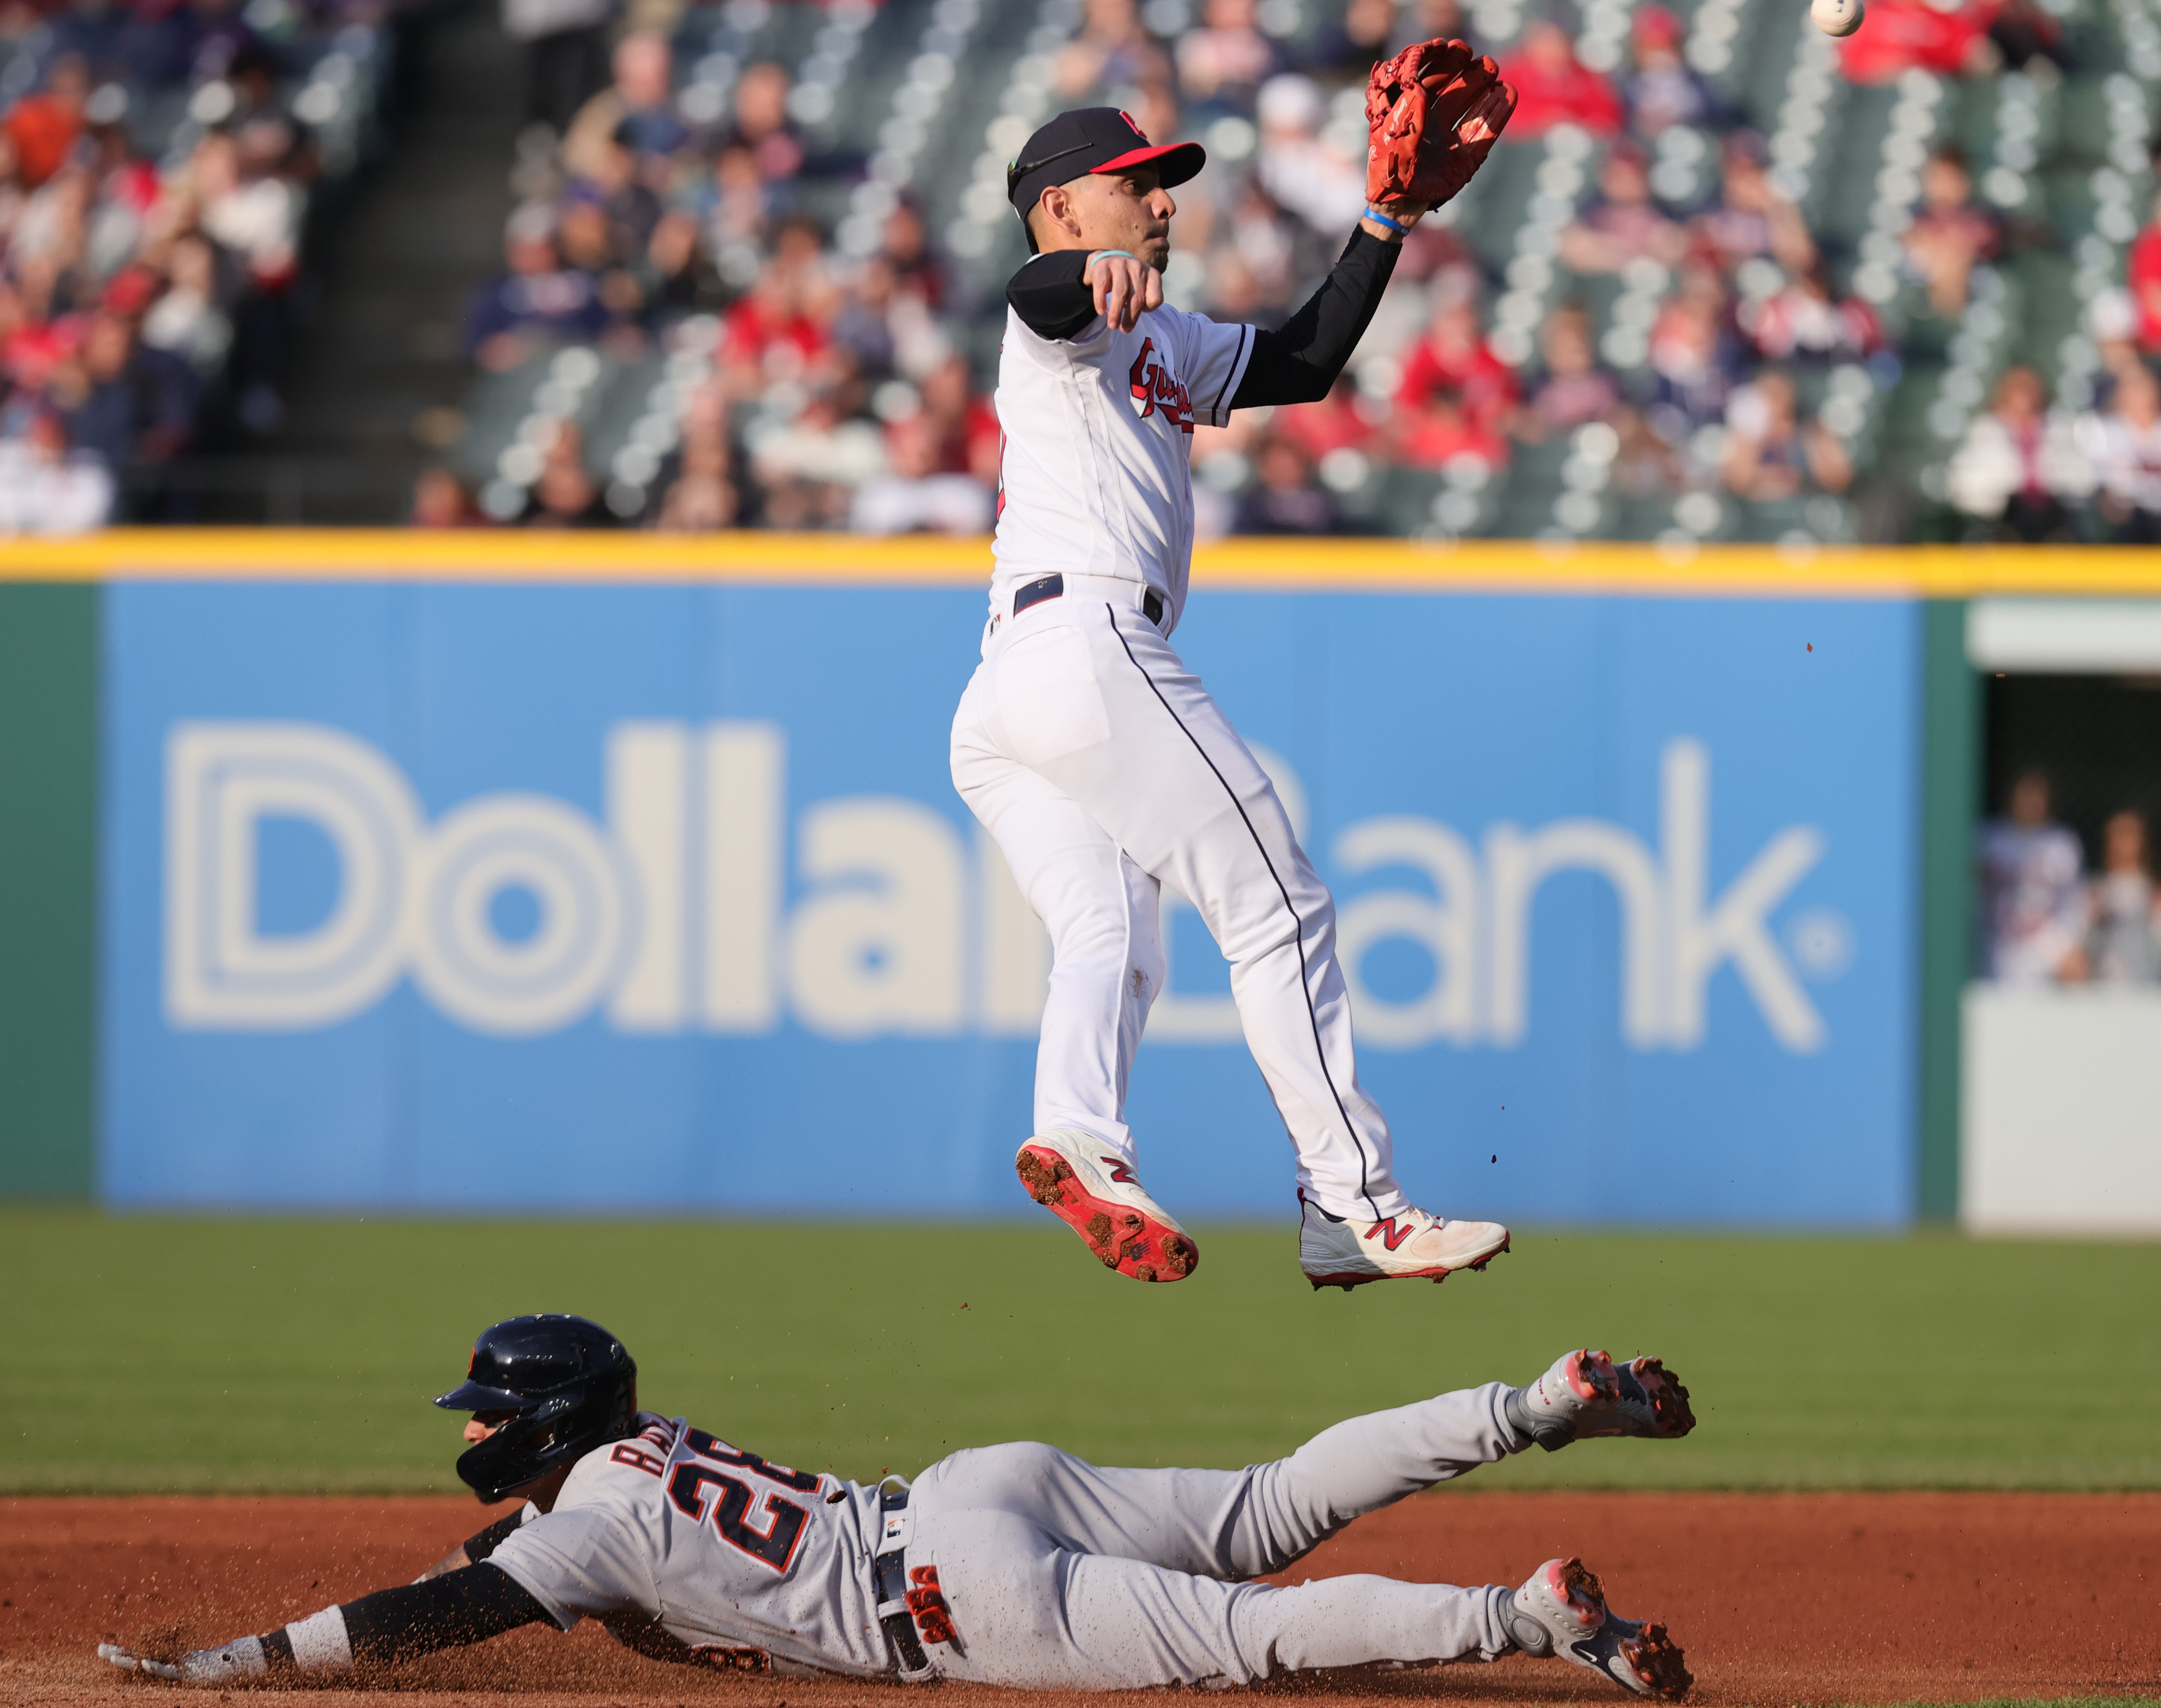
1409 1245
1120 1173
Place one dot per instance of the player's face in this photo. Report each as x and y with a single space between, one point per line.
1128 211
482 1424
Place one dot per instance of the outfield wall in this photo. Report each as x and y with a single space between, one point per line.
515 872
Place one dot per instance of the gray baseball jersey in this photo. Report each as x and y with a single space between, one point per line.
743 1561
1058 1574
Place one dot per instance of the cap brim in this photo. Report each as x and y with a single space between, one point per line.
1176 162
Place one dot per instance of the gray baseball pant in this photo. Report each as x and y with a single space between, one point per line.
1065 1575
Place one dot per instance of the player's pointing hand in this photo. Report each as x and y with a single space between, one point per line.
1126 288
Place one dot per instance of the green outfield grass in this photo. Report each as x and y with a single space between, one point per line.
169 1353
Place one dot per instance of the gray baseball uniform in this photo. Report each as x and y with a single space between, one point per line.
1058 1573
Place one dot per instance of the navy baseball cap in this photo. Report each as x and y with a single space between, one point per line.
1093 139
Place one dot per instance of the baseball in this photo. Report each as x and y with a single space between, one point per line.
1836 17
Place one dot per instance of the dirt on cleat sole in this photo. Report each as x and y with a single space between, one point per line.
1120 1237
1657 1659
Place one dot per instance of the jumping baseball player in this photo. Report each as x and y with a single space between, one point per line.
1017 1565
1093 756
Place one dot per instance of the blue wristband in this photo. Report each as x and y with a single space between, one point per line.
1101 253
1379 218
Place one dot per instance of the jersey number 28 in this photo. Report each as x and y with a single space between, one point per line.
739 1507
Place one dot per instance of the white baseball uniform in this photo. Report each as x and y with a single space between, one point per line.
1104 770
1058 1573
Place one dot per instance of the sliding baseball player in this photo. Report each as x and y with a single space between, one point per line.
1017 1565
1094 757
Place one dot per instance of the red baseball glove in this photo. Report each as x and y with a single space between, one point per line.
1432 112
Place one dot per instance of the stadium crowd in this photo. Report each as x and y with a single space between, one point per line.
843 390
156 164
145 271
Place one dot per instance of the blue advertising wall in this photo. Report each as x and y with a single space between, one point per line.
478 898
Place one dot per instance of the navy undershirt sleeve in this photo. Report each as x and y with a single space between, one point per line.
1049 296
484 1543
469 1604
1299 362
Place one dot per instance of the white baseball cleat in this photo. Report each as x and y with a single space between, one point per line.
1408 1245
1090 1188
1586 1394
1562 1611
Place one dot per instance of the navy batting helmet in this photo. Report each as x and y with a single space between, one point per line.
569 1385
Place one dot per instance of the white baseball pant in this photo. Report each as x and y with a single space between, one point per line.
1103 770
1063 1575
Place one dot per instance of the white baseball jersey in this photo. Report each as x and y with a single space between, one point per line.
1096 475
749 1563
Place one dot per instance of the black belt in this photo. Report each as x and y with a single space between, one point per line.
1054 587
890 1581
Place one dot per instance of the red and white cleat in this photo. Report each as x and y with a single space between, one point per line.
1410 1246
1089 1187
1586 1394
1562 1611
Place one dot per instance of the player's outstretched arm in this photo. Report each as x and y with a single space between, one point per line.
466 1606
1433 113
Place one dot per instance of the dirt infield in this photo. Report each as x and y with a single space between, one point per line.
1779 1599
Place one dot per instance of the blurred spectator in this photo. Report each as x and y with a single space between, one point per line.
565 495
536 299
2033 906
1552 87
1770 455
675 278
776 331
916 494
2024 31
1663 91
126 404
1223 64
762 125
1948 39
1752 217
1800 322
1695 359
1455 393
2126 448
2124 943
1571 388
1951 232
1112 52
807 472
2020 467
187 320
439 500
1283 499
1430 20
2142 275
47 488
1623 223
703 494
965 425
1343 420
904 241
1346 51
565 54
635 113
41 128
1300 170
